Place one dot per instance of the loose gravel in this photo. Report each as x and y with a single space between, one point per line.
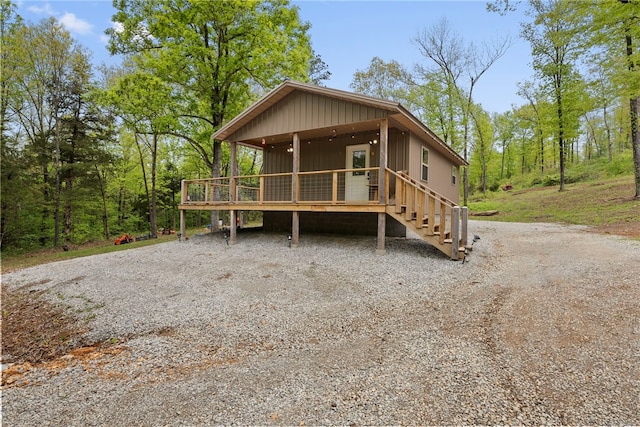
538 326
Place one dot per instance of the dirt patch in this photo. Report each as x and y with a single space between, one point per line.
34 329
627 229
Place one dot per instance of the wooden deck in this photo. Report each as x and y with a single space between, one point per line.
433 217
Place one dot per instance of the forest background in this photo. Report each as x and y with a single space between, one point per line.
90 152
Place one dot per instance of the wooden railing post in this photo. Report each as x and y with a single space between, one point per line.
334 188
399 194
431 216
443 222
387 185
261 195
420 209
455 232
410 194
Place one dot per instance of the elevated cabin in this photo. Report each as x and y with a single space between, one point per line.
338 162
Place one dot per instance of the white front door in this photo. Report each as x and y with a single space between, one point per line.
356 183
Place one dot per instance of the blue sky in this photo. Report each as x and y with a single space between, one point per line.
348 34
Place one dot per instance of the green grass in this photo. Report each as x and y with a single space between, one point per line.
595 203
602 202
12 262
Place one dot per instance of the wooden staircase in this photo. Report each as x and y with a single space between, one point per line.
437 220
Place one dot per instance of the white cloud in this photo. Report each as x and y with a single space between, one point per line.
73 24
118 27
44 10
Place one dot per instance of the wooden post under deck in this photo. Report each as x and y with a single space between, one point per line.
382 216
183 225
233 149
455 232
295 217
464 238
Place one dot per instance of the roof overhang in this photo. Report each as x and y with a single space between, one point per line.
399 117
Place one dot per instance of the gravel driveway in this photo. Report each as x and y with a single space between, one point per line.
539 326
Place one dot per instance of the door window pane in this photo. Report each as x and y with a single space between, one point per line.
359 161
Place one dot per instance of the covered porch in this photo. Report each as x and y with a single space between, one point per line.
394 194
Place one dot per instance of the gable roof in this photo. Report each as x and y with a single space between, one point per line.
379 107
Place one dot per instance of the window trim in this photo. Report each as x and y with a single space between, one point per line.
454 175
423 165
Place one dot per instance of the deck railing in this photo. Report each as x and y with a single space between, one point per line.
339 186
435 217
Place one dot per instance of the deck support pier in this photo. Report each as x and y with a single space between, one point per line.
232 227
464 239
295 228
183 226
455 233
382 224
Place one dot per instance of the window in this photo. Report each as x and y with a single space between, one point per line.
425 164
454 175
359 161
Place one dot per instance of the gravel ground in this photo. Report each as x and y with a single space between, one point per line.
539 326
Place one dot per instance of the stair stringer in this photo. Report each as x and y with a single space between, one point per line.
433 240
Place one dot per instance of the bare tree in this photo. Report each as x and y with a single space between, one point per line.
462 65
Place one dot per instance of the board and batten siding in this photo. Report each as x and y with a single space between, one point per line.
321 154
439 169
300 111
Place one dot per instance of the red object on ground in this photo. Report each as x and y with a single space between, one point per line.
125 238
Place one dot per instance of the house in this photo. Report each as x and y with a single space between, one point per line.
339 162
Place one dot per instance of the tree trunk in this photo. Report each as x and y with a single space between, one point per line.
561 141
634 105
103 195
215 173
153 204
147 192
634 113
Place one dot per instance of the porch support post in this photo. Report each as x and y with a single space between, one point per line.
384 148
382 193
183 199
295 217
382 223
455 232
465 220
233 171
183 225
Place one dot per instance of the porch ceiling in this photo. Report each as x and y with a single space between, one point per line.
325 132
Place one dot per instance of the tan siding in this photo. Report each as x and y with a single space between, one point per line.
398 150
303 111
439 169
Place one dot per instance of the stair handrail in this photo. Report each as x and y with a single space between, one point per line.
425 189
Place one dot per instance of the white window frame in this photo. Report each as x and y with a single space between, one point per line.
424 166
454 175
